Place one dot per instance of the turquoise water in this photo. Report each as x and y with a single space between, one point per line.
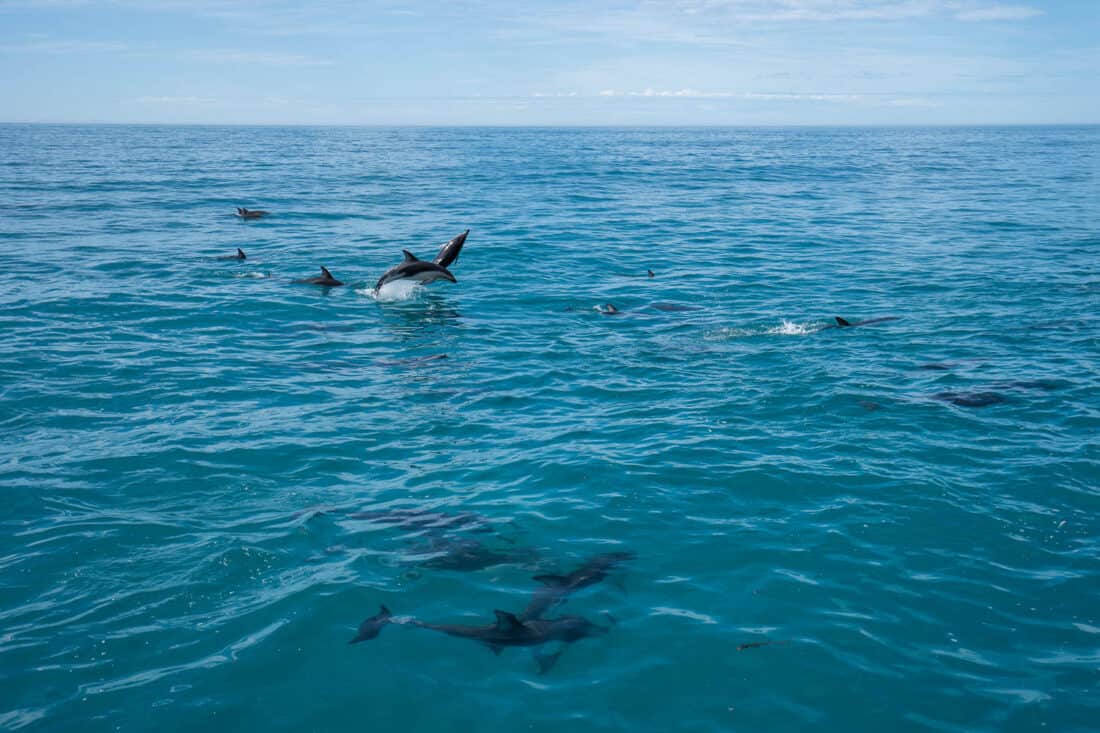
199 456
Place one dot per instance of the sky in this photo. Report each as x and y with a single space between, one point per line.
555 62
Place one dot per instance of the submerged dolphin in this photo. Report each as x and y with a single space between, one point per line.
970 399
239 256
556 588
325 278
507 631
250 213
467 555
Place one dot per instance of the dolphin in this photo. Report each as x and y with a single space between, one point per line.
674 307
511 631
239 256
410 362
467 555
326 279
250 213
970 399
507 631
416 270
448 253
1044 384
842 323
556 588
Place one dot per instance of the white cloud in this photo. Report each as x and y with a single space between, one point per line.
65 47
259 58
175 100
917 103
697 94
999 12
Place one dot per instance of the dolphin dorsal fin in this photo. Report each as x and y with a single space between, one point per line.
552 580
241 253
507 621
326 273
383 611
841 322
409 256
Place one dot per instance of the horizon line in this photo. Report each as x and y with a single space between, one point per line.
499 125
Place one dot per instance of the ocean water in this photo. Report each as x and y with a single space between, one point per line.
213 475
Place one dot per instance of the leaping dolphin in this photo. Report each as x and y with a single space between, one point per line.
448 253
423 272
326 279
416 270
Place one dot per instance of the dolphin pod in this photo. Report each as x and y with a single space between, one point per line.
411 268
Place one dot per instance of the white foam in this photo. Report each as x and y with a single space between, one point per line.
394 290
253 275
790 328
785 328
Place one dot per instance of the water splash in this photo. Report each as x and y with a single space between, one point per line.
785 328
395 290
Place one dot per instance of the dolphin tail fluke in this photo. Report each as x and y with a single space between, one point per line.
372 627
841 322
